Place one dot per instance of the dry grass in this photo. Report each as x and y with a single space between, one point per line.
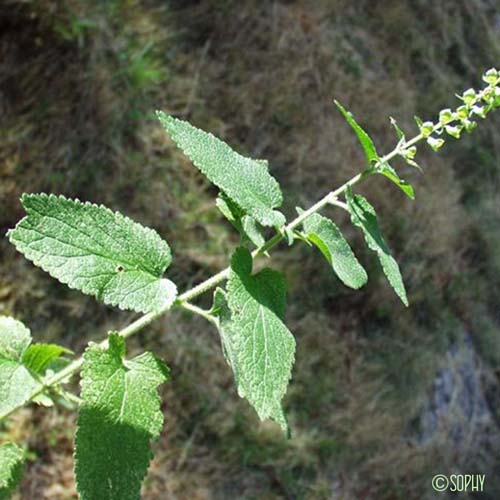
79 81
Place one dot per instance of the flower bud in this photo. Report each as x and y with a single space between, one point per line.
479 111
462 112
410 153
435 143
491 76
454 131
426 128
445 116
469 125
469 96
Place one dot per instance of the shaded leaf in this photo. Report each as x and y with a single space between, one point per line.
326 236
38 356
246 225
119 416
257 344
97 251
245 181
363 215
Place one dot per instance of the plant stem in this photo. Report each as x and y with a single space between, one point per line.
183 299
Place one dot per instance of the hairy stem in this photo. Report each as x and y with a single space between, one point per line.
182 301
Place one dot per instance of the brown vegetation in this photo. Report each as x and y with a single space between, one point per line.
79 81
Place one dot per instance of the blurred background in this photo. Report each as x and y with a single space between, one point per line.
382 397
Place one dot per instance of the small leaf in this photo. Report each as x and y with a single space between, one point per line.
11 468
21 364
14 338
245 181
16 381
363 216
119 416
364 138
386 170
246 225
258 346
252 231
38 356
97 251
325 235
399 132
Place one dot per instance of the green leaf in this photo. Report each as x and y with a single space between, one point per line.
258 346
386 170
38 356
247 182
97 251
364 138
16 385
119 416
16 381
252 231
14 338
397 128
326 236
20 364
363 215
246 225
11 468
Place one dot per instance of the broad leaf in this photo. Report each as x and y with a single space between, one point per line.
245 181
325 235
11 468
16 382
14 338
119 416
38 356
246 225
390 173
258 345
363 215
364 138
97 251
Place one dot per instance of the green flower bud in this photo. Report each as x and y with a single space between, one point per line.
479 111
454 131
491 76
410 153
462 112
469 96
426 128
435 143
445 116
469 125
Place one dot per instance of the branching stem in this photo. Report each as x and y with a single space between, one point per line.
183 300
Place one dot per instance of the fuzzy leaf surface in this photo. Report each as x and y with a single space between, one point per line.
363 215
11 468
119 416
16 381
326 236
97 251
14 338
365 140
247 182
246 225
258 345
